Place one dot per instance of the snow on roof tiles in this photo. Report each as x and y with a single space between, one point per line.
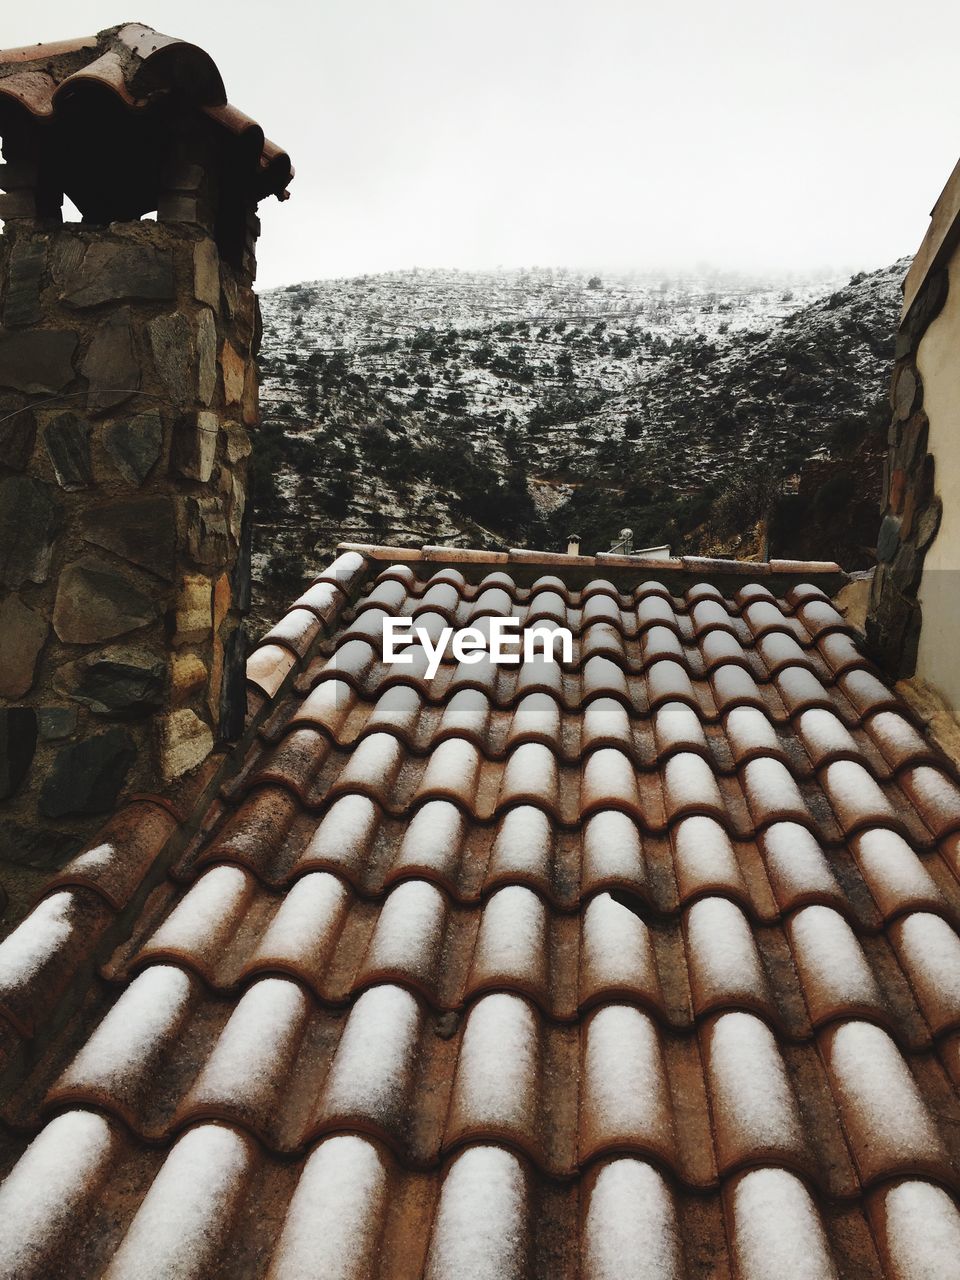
633 969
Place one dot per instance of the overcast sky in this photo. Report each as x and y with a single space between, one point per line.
749 135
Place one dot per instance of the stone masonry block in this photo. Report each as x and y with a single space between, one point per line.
183 742
37 360
18 433
234 370
96 601
140 529
206 356
193 613
22 633
67 441
174 355
206 273
117 272
188 674
222 597
18 741
119 682
134 446
195 445
29 522
21 306
87 776
238 442
205 531
111 366
216 680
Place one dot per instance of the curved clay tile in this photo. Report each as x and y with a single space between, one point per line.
569 1008
139 67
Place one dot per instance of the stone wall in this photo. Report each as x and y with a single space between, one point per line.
127 391
938 363
911 509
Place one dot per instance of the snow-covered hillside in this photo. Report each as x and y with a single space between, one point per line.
515 406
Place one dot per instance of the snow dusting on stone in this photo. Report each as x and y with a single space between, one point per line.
773 786
264 1030
400 707
606 718
531 770
831 959
468 711
891 865
537 713
354 658
932 950
453 767
874 1081
795 862
851 789
347 829
750 730
704 854
327 701
826 730
688 779
374 759
602 673
609 772
676 722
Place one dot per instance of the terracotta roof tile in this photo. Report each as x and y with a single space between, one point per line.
645 964
135 67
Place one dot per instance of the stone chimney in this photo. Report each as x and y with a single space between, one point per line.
128 394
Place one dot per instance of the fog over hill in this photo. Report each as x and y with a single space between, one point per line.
515 407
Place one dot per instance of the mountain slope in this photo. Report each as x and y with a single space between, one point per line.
514 407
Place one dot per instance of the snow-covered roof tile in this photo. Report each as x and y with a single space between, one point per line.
599 967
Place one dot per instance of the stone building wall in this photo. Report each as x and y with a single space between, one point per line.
938 367
911 507
127 392
914 618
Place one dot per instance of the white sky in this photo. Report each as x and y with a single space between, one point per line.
747 134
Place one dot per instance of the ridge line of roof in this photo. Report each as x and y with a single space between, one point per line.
701 565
